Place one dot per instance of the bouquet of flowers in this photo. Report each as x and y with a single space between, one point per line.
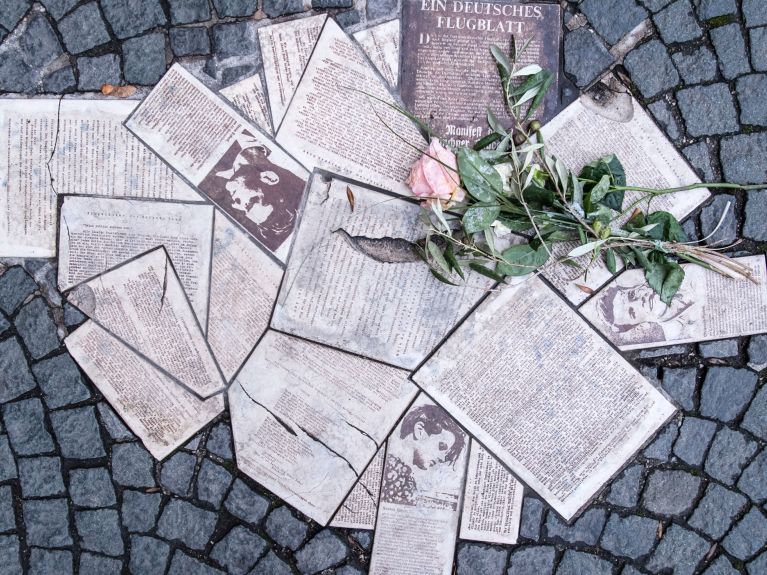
507 183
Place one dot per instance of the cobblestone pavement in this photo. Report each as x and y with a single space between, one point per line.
78 493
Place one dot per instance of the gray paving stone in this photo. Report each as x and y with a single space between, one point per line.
91 487
9 555
731 49
708 110
7 514
7 462
532 514
213 481
77 432
276 8
58 8
40 477
758 44
97 71
220 441
586 56
717 510
58 82
727 392
140 510
381 9
39 43
15 286
25 425
757 347
322 4
665 351
324 550
364 538
680 551
182 521
579 563
348 19
189 11
753 108
84 29
189 41
695 436
712 214
236 39
50 562
144 59
677 23
350 570
624 490
697 66
113 424
11 11
176 473
4 324
97 565
532 561
630 536
245 503
99 531
655 5
236 8
15 75
662 111
651 68
36 328
238 551
721 566
679 383
271 565
72 316
753 481
754 228
61 381
660 449
132 17
15 377
148 556
758 566
728 455
46 522
753 11
183 564
748 537
132 465
586 529
476 559
713 8
670 492
613 19
285 529
721 349
744 157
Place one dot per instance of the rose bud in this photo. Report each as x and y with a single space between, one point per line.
435 175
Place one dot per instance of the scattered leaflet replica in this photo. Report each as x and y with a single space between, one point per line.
307 419
564 412
708 306
381 44
450 80
420 503
244 282
57 146
340 117
285 50
157 409
142 303
611 121
249 98
98 233
355 282
241 170
359 509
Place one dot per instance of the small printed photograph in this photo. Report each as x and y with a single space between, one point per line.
261 195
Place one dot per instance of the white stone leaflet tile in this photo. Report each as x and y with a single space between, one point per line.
248 97
381 44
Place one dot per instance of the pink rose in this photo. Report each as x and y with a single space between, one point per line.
435 175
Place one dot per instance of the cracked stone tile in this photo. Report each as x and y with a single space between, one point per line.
15 286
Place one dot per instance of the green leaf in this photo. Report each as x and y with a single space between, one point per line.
451 259
515 225
501 60
612 265
537 195
668 228
484 142
599 191
480 178
547 79
441 278
522 259
437 256
664 277
482 270
582 250
494 123
608 166
582 235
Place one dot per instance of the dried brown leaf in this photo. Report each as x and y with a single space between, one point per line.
118 91
661 529
585 289
711 552
350 197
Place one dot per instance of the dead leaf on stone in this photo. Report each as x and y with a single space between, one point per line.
350 197
118 91
152 490
711 552
661 529
585 289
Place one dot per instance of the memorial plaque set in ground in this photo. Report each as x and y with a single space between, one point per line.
259 244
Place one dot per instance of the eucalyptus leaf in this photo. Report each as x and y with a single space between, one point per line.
481 180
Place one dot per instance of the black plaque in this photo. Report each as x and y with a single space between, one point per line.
448 76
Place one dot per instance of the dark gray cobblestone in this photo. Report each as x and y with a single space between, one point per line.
78 492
